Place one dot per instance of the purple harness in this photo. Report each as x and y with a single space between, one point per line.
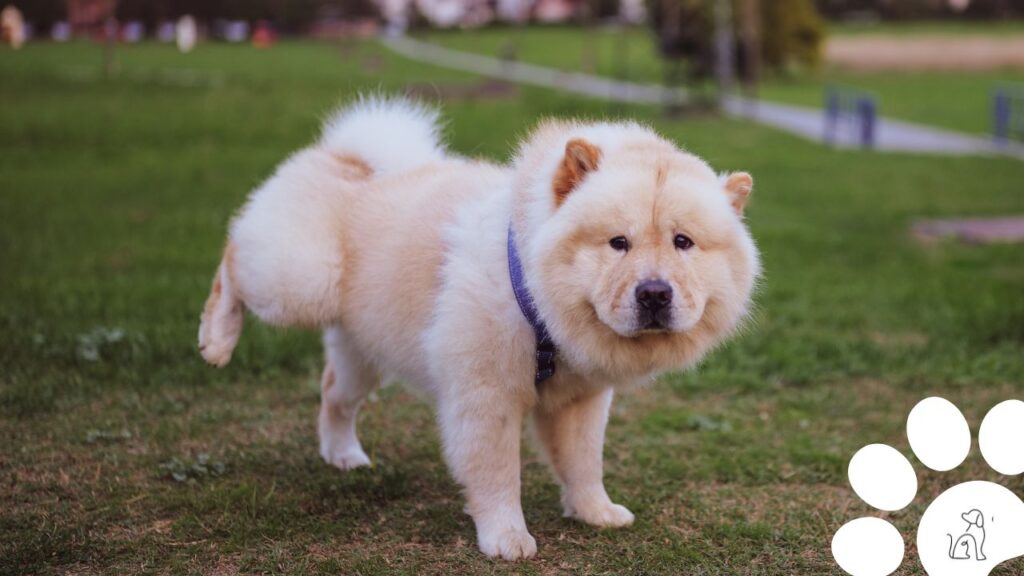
545 346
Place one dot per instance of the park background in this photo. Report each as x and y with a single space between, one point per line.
123 158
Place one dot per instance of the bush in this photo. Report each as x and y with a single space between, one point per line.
792 33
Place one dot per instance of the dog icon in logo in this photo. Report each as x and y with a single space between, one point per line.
970 544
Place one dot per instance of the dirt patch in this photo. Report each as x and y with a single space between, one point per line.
869 53
971 231
485 90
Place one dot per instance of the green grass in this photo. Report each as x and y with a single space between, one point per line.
954 100
625 53
116 194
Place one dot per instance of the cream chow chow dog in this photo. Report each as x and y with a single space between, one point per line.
600 258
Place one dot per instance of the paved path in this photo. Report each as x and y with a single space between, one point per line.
891 135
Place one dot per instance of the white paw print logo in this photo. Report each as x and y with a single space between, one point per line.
970 528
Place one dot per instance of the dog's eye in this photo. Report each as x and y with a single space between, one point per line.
683 242
619 243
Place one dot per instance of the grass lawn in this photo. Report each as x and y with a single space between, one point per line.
625 53
954 100
124 453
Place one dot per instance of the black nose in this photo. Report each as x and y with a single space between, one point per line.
654 294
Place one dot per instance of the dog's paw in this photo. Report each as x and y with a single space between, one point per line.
593 507
220 324
352 457
608 515
218 336
512 544
215 353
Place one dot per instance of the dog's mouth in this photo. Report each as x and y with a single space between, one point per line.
654 320
662 323
644 323
650 327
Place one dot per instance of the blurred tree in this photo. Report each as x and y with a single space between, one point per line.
748 55
684 32
780 34
685 35
605 9
43 13
148 11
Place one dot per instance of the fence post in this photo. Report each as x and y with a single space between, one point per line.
1001 116
851 117
867 110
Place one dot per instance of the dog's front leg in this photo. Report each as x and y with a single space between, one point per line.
572 436
481 429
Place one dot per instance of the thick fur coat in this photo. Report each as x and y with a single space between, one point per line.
635 253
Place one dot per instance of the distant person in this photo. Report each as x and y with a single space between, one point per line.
396 14
186 34
442 13
517 11
263 35
12 27
167 32
633 11
133 32
236 31
61 31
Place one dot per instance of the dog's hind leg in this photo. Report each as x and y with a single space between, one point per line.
347 380
284 257
288 246
221 322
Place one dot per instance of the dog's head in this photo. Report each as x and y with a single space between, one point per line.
974 517
636 252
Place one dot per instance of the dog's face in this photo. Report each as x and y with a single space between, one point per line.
645 260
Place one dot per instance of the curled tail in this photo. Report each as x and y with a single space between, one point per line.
389 134
283 261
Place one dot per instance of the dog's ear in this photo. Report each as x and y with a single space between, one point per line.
738 186
581 158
